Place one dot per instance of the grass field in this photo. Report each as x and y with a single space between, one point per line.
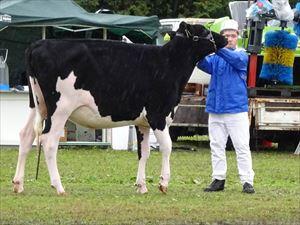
100 190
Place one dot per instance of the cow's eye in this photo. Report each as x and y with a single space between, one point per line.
204 33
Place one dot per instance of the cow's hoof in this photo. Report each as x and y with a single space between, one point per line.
162 188
141 189
17 187
62 193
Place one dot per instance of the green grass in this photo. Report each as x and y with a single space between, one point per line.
100 190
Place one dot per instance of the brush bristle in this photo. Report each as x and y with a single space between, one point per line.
279 56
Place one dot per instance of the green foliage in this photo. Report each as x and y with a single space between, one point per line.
89 5
132 7
211 9
164 8
100 190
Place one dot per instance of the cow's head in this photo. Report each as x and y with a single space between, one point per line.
204 40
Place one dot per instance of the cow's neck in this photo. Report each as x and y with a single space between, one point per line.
182 53
182 58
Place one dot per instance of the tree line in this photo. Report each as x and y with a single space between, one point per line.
164 8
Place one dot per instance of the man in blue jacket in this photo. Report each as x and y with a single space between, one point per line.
227 105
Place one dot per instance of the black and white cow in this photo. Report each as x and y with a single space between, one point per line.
104 84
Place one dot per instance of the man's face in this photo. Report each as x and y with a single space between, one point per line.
232 38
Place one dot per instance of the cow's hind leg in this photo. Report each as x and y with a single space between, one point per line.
50 143
27 136
165 146
143 154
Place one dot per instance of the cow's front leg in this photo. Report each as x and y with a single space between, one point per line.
165 146
143 154
26 139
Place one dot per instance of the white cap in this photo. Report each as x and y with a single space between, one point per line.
229 25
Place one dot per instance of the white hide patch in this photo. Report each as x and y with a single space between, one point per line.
38 97
84 109
169 119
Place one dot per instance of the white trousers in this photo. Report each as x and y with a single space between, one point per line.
236 125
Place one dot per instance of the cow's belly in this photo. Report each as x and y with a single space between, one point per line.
87 117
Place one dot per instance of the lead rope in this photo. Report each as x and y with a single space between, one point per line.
212 40
38 127
38 157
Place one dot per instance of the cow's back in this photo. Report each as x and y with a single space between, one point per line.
122 78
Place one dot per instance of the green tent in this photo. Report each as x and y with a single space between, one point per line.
25 21
66 14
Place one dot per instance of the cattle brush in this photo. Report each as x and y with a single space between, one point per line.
279 56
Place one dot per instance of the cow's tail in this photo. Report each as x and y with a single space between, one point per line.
33 102
29 73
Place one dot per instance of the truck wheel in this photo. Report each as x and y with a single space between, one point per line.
255 144
174 133
287 145
174 137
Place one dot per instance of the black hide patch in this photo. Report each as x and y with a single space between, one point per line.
139 138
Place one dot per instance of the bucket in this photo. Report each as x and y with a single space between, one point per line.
132 139
120 138
4 73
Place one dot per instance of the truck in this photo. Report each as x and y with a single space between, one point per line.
274 110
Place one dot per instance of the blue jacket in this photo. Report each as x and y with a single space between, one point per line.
227 92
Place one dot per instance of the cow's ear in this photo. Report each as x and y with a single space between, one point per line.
190 29
182 27
185 29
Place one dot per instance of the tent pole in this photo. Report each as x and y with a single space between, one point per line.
43 33
104 34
